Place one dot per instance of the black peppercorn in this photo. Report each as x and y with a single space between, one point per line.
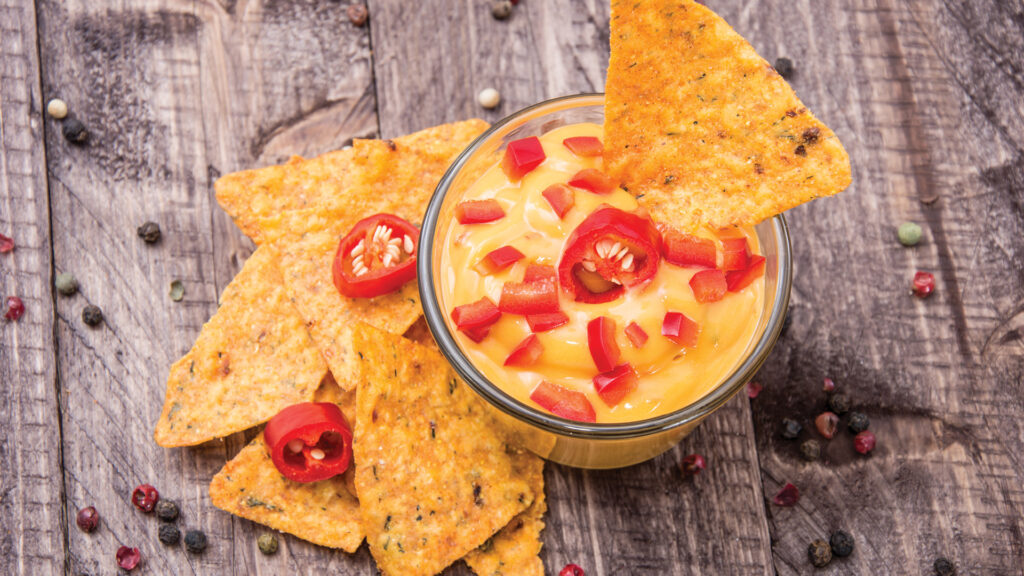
943 567
839 403
169 534
267 543
74 131
858 422
841 543
790 428
195 541
92 315
167 510
819 553
784 66
501 9
149 232
810 450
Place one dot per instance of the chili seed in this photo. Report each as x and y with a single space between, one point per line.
357 14
74 131
909 234
827 423
177 291
839 403
66 284
810 450
167 510
788 495
489 98
149 232
15 308
864 442
858 422
841 544
92 316
195 541
128 558
145 497
693 464
790 428
753 389
169 534
87 519
924 284
829 385
819 553
784 66
6 244
267 543
57 108
501 9
571 570
943 567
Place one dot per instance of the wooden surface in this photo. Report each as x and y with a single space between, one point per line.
926 95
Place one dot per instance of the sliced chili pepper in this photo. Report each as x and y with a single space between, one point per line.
708 285
561 198
526 352
637 336
593 180
480 314
497 260
310 441
601 340
609 251
521 157
479 211
680 329
686 250
563 402
734 252
739 279
584 145
376 257
546 321
614 385
536 272
527 298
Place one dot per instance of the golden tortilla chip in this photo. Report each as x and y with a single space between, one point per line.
420 332
433 478
253 358
703 127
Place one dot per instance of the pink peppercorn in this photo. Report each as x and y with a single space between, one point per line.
145 497
787 496
827 423
87 519
693 464
864 442
924 284
6 244
829 385
571 570
15 308
753 389
128 558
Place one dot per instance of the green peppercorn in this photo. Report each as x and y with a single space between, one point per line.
66 284
167 510
501 9
841 544
195 541
858 422
819 553
839 403
909 234
92 316
943 567
169 534
177 291
810 450
267 543
149 232
790 428
74 131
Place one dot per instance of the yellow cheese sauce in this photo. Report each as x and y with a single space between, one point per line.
670 376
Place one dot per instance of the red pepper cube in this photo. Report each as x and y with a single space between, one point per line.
563 402
521 157
739 279
477 334
479 314
479 211
535 272
497 260
526 352
637 336
734 254
686 250
546 321
593 180
526 298
561 198
601 340
585 146
680 329
614 385
708 285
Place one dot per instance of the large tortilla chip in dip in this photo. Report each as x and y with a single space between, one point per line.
253 358
703 127
433 477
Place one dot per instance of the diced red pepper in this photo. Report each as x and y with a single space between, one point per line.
561 198
601 340
708 285
378 256
739 279
310 441
529 297
734 253
680 329
497 260
593 180
526 352
563 402
614 385
476 319
584 145
477 334
535 272
522 156
545 322
686 250
479 211
637 336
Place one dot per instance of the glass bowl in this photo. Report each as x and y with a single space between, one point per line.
568 442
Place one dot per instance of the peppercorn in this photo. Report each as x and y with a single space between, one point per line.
195 541
819 553
864 442
841 544
909 234
943 567
753 389
784 66
810 450
788 495
829 385
128 558
74 131
267 543
169 534
790 428
924 284
66 284
357 14
149 232
145 497
489 98
6 244
693 464
839 403
827 423
177 291
87 519
501 9
92 316
571 570
858 422
57 108
15 308
167 510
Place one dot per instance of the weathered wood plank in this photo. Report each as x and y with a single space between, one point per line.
31 487
174 93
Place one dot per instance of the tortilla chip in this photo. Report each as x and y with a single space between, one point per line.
420 333
515 550
433 477
703 127
253 358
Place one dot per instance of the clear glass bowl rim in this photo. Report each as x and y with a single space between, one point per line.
435 318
